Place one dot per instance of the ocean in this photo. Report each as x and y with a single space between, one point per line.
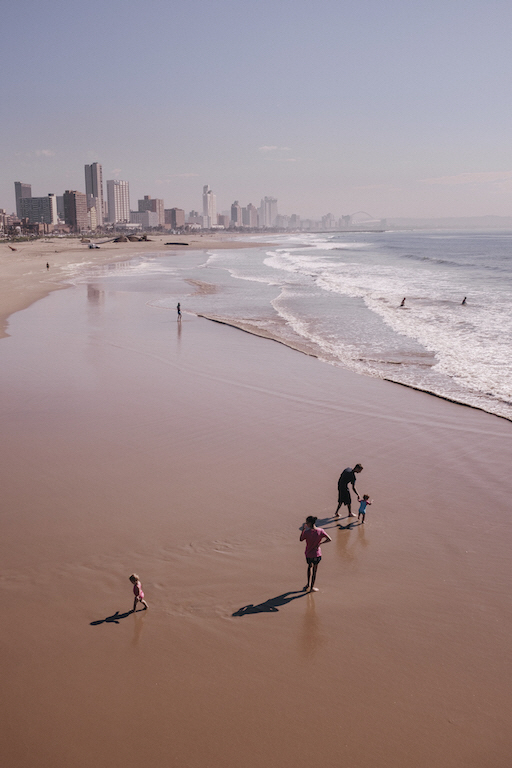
337 296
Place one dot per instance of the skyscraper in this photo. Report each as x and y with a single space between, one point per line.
250 216
94 190
268 212
75 210
236 214
21 191
209 207
118 196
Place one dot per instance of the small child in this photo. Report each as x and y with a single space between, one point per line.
365 502
137 591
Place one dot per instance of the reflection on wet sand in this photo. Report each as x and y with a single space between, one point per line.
138 623
350 539
94 295
311 638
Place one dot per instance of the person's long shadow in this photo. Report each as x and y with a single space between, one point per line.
328 522
271 605
349 527
114 619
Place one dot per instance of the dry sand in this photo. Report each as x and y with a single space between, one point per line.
191 453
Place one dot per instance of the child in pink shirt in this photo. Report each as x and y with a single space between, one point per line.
137 591
313 537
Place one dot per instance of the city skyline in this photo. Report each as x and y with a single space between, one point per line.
87 211
396 109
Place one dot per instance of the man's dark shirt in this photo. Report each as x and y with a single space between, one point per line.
347 476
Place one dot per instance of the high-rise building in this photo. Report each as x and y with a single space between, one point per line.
209 207
118 196
60 206
21 191
156 206
39 210
268 212
250 216
94 190
328 221
175 217
236 214
75 210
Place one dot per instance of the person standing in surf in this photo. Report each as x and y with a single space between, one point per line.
348 476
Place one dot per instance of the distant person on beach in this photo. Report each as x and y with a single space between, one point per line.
178 310
403 302
464 300
365 502
348 476
47 265
137 591
313 537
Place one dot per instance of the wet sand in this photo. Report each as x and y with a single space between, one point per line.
24 277
191 453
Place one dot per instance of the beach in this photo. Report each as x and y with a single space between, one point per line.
25 278
191 453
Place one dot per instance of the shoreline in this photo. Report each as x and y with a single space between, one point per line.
20 289
255 331
24 278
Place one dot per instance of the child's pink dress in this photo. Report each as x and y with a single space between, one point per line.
137 590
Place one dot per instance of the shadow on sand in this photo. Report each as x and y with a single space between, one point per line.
349 526
114 619
271 605
333 522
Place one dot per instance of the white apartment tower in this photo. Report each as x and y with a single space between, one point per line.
94 190
118 197
209 207
268 212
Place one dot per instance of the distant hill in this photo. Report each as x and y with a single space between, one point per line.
466 222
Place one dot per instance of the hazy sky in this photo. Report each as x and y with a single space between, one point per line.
395 107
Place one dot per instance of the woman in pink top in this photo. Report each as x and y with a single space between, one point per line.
313 537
